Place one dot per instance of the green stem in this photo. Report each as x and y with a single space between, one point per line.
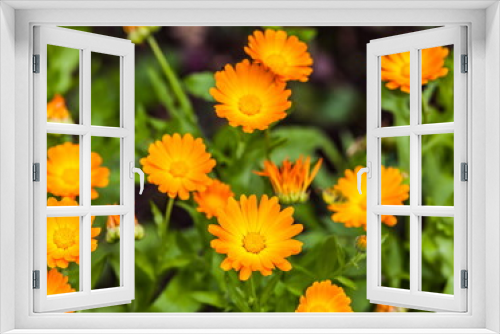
179 93
256 303
268 143
168 214
241 145
164 230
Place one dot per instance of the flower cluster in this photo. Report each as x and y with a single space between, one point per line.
253 95
349 206
63 187
257 232
395 68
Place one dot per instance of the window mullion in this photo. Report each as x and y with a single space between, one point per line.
85 170
414 170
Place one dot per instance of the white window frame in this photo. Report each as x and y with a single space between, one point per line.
484 103
86 44
414 43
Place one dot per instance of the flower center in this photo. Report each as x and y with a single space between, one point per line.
405 70
250 105
319 308
277 63
178 168
64 237
71 176
254 242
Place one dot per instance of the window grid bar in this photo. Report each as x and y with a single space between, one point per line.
420 129
418 210
74 211
80 130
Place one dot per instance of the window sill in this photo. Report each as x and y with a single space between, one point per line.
252 331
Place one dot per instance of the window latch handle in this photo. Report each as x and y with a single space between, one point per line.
134 170
368 171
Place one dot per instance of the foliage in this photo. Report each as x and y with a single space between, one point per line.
176 270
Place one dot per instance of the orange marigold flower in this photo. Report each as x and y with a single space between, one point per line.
63 171
255 236
178 165
361 242
57 110
63 236
57 283
286 56
352 209
213 198
396 67
290 182
388 308
249 96
324 297
137 34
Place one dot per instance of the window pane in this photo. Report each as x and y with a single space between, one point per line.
394 172
395 251
437 84
437 254
106 255
105 169
105 90
63 84
437 169
395 91
63 254
63 169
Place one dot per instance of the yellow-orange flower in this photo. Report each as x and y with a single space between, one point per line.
63 171
57 283
286 56
57 110
178 165
396 67
213 198
249 96
138 34
324 297
352 209
361 242
388 308
63 237
290 182
255 236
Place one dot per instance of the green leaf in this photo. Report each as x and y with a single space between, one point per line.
98 260
208 298
180 261
306 141
177 297
331 258
199 84
236 295
183 244
63 63
157 215
143 263
269 287
346 282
